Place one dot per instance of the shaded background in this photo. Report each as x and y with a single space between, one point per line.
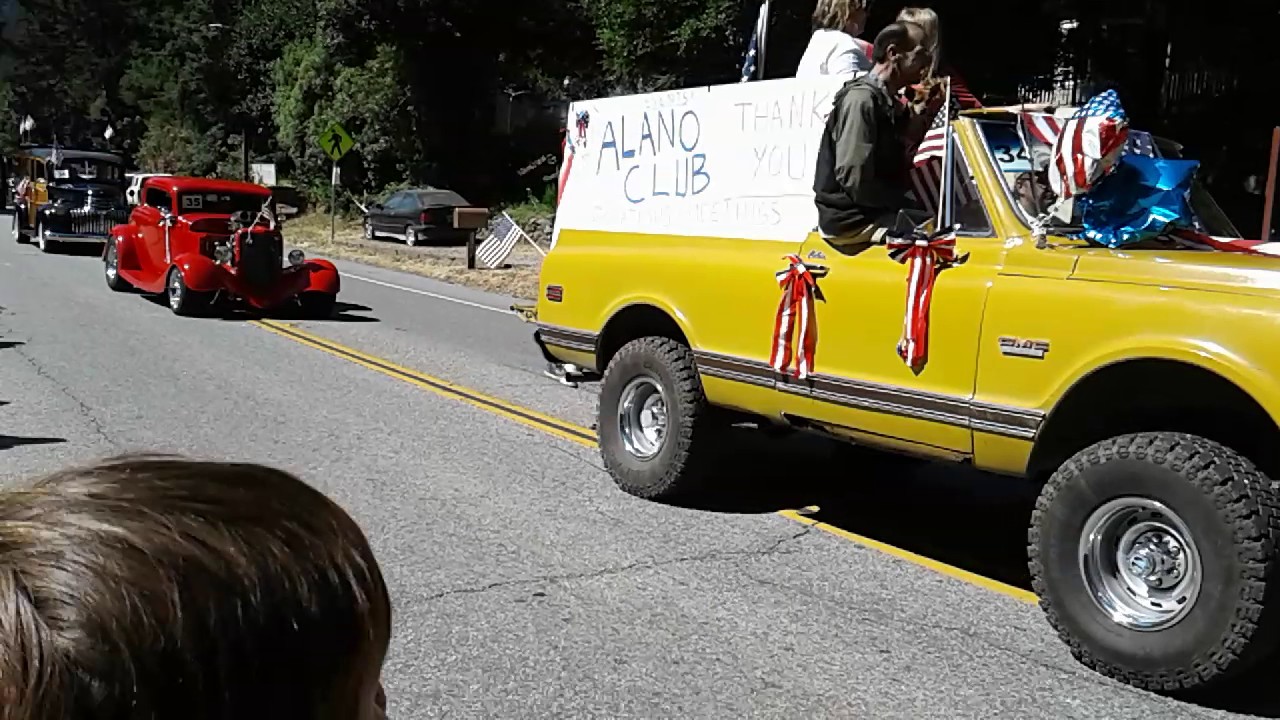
471 95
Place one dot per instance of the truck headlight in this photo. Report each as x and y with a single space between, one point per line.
296 257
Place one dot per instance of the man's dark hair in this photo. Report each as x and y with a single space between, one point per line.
158 587
905 35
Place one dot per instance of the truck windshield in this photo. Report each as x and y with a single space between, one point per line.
1030 192
88 169
219 203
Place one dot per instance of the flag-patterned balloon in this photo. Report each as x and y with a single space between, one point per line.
1090 143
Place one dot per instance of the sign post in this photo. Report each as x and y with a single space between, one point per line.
336 143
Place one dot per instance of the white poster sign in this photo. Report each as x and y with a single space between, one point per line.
727 161
263 173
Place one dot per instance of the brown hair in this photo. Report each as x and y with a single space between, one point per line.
159 587
834 14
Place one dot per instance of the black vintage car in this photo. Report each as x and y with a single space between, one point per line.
416 215
67 196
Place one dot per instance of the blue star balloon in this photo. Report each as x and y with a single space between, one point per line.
1140 200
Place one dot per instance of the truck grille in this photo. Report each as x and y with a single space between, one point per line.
87 221
259 258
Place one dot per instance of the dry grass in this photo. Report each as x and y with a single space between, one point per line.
517 278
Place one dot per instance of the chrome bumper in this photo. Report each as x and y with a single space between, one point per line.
76 237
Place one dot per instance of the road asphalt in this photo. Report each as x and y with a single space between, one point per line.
525 584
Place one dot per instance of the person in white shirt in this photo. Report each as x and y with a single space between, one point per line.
835 48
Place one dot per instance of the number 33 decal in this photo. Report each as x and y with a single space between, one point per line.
1005 155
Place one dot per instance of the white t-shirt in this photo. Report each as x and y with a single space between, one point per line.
834 52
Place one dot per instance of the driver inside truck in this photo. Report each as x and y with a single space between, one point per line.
860 180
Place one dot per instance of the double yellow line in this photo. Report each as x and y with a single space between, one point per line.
587 437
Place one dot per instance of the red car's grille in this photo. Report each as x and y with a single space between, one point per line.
259 258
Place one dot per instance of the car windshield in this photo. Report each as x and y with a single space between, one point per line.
219 203
88 169
1031 192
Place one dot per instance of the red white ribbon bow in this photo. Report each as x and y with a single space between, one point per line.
924 255
795 319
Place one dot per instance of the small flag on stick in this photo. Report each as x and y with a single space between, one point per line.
502 240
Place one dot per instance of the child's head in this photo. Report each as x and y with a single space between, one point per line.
156 587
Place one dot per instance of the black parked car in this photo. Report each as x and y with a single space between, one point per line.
416 215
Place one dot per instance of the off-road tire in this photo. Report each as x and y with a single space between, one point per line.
693 425
111 255
1233 512
317 305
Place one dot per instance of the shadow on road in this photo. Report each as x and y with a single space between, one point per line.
231 313
6 344
77 249
965 518
973 520
342 313
10 441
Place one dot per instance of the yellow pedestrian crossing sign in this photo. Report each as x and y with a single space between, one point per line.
336 142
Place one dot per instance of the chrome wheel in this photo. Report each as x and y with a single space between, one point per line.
42 238
1140 563
368 231
176 289
642 417
410 237
113 265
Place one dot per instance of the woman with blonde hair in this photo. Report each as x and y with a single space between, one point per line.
835 48
927 18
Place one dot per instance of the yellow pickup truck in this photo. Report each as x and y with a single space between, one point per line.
1140 387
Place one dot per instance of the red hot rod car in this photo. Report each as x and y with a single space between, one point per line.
197 239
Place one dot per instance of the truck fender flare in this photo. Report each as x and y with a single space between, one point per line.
1200 358
654 317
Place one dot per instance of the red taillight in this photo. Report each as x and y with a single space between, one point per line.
424 217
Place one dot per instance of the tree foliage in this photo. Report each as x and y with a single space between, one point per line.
420 84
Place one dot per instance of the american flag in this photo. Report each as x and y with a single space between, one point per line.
1043 131
752 63
926 166
1087 142
502 240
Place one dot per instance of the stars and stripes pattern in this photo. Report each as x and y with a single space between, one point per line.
924 256
502 240
1043 130
1088 145
794 322
926 165
752 62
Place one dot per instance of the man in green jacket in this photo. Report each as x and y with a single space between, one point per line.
861 179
